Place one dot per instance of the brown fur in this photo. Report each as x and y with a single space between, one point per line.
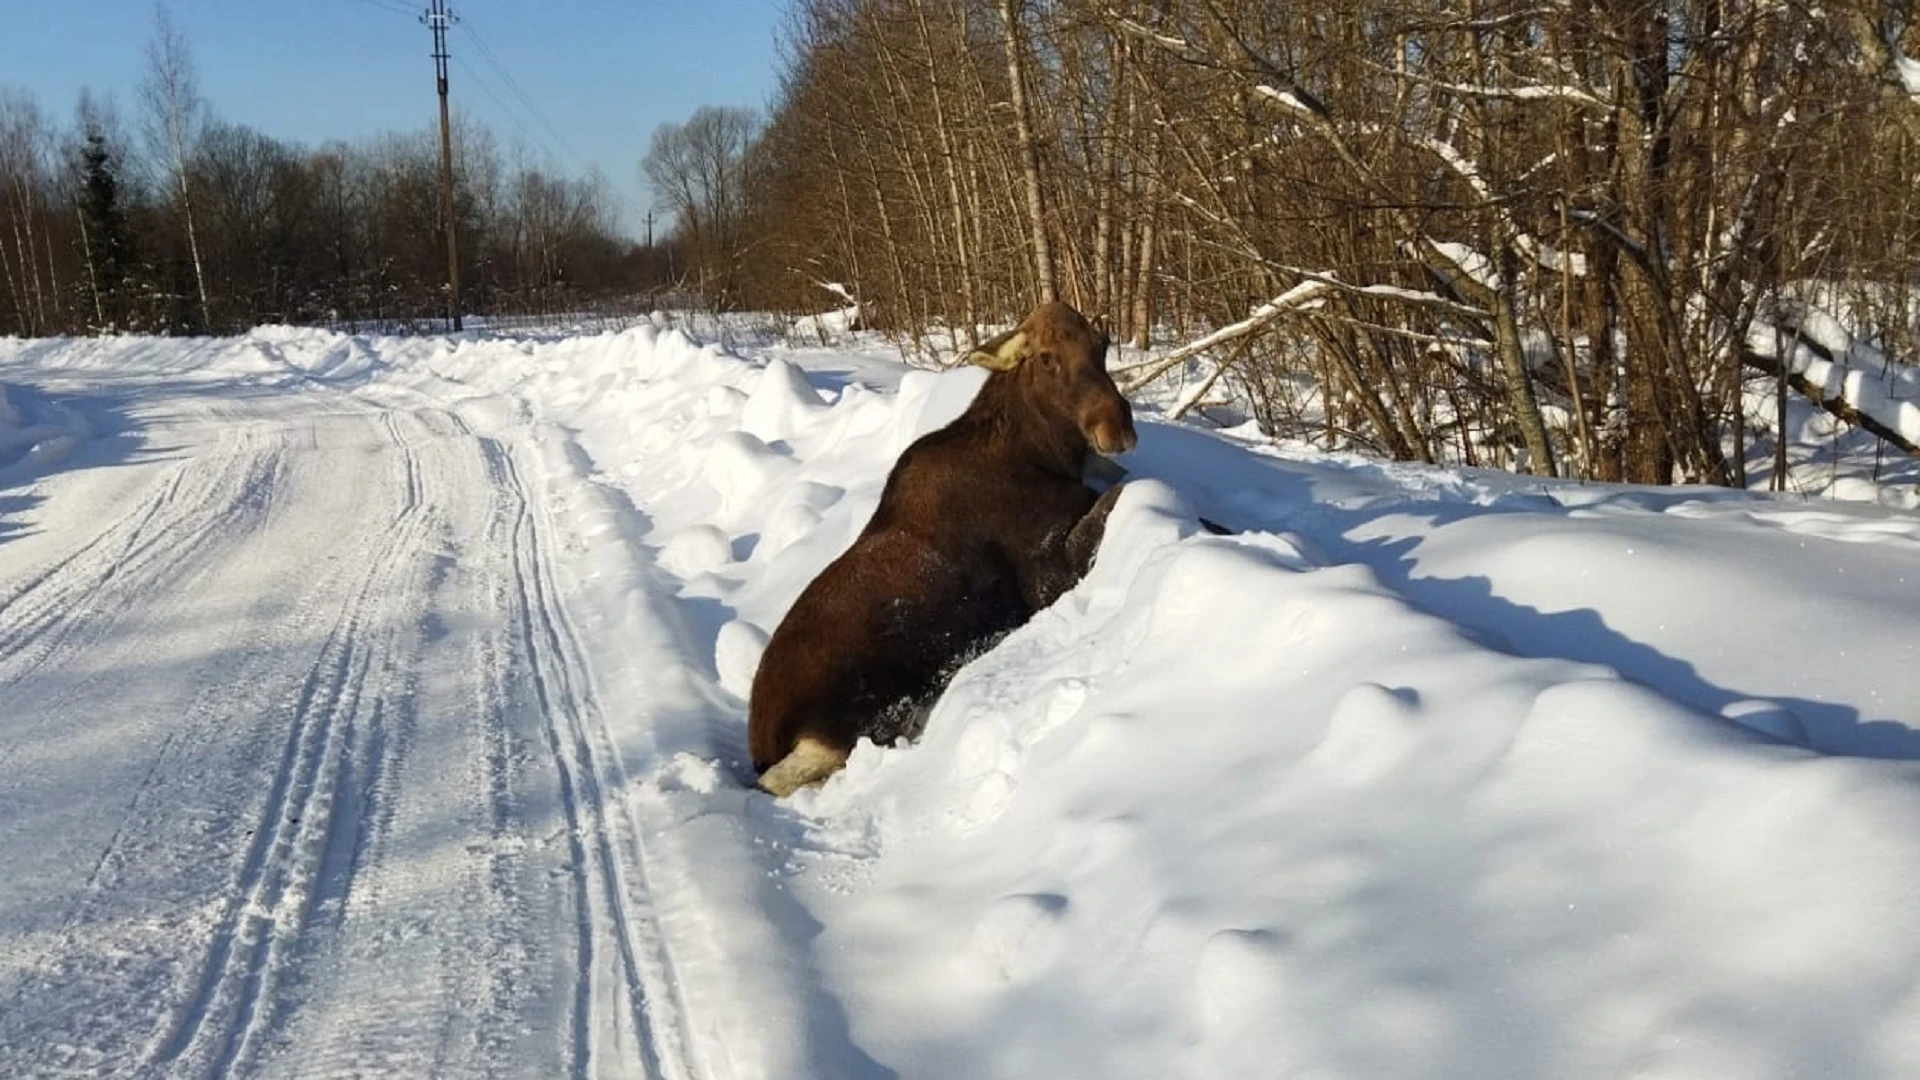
981 524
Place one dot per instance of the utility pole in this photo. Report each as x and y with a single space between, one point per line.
438 18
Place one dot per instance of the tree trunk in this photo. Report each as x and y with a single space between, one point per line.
1143 269
1513 363
1047 286
93 272
24 251
1106 174
851 238
15 291
970 304
193 248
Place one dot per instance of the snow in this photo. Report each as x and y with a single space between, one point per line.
1850 369
35 435
1469 261
1286 99
832 324
377 705
1907 69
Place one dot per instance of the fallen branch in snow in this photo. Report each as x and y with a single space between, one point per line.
1189 401
1291 300
1836 406
838 290
1425 297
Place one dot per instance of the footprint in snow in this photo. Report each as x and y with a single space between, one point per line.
1020 935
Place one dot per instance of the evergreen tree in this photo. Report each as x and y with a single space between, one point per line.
108 239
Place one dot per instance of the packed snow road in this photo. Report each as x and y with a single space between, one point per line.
301 768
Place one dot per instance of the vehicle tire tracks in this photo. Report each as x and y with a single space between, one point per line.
78 600
318 811
635 1019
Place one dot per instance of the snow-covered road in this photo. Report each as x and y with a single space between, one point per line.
303 763
375 707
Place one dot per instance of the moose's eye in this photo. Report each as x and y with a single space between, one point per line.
1047 361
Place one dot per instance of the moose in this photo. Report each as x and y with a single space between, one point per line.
981 524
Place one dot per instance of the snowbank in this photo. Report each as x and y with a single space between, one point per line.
35 434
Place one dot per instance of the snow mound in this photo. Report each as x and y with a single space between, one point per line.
315 354
36 433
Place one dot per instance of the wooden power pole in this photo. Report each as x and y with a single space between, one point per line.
438 18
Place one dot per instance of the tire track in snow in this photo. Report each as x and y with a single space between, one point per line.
255 970
639 1011
440 958
80 599
187 521
312 826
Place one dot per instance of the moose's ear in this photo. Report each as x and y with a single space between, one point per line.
1002 353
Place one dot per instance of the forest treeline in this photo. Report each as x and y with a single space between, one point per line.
163 218
1524 234
1528 235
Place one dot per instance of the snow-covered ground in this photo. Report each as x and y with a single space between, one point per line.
375 707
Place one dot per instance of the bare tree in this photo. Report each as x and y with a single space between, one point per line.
1012 14
698 171
1506 234
175 116
23 140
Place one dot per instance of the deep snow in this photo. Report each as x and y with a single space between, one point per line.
1422 773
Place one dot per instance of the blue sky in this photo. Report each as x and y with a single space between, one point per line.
604 74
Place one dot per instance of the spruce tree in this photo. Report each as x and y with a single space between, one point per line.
108 238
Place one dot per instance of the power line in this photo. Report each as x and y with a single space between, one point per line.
520 95
396 9
548 135
571 153
506 109
553 154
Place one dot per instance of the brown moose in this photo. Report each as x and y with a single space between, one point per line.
981 524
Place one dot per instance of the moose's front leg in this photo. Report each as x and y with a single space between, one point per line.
1057 561
1083 540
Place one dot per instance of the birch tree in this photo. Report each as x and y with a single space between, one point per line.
175 116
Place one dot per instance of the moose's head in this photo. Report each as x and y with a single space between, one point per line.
1059 362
